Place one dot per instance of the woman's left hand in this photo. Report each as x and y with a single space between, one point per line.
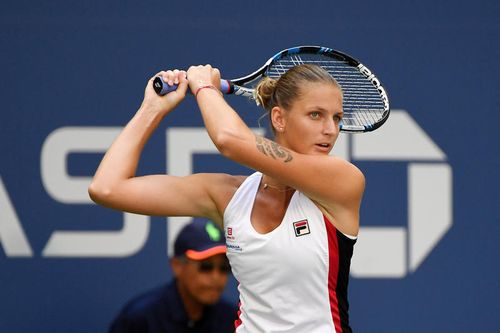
167 103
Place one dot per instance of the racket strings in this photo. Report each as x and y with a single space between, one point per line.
362 103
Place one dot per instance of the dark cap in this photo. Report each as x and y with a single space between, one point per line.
200 240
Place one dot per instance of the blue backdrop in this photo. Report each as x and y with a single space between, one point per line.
73 73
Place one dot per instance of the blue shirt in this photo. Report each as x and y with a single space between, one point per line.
162 310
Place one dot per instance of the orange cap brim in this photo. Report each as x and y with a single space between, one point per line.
202 255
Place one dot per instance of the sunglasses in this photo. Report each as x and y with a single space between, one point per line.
206 266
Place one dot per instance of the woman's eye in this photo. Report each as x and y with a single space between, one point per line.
315 115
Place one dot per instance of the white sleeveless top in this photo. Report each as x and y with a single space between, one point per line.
294 278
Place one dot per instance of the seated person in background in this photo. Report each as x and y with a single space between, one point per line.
191 302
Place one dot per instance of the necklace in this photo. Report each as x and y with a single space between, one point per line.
265 186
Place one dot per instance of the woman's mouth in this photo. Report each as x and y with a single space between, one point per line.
323 146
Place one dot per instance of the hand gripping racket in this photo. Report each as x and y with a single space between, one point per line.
365 103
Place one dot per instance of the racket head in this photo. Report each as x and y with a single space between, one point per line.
365 100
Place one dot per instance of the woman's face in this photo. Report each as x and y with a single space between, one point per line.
311 125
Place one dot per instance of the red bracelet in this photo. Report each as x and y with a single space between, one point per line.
206 86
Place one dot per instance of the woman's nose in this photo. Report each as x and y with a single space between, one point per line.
329 126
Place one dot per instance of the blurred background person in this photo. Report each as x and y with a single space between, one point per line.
192 301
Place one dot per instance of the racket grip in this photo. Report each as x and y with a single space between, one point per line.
162 88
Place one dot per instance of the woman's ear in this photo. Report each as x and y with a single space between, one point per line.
278 120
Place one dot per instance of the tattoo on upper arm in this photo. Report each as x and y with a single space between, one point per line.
271 148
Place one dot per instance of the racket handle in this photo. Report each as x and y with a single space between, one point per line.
162 88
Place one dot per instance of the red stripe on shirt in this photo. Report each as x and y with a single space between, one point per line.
238 321
333 272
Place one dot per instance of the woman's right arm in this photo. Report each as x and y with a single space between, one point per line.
115 184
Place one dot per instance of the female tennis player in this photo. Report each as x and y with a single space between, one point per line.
290 226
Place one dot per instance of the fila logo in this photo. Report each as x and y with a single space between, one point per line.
301 228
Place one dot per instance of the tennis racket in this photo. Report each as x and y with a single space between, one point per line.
365 103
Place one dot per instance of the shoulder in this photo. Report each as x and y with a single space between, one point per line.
144 303
135 315
229 185
218 180
344 164
221 187
347 174
234 180
345 186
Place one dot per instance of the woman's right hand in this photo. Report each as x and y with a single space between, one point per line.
200 76
165 104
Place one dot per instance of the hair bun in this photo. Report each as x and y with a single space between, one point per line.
263 93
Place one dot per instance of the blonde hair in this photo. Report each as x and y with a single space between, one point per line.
286 89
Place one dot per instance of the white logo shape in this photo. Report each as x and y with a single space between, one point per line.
393 252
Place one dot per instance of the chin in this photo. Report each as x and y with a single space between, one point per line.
210 299
321 152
